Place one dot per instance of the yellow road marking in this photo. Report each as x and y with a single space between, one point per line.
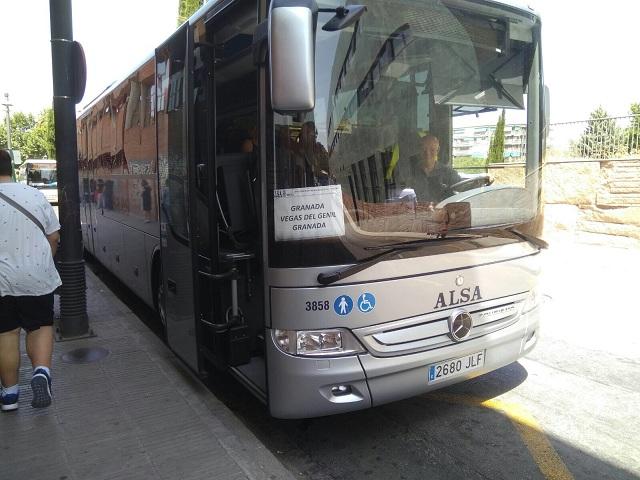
545 456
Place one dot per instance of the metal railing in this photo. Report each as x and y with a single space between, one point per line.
610 138
596 139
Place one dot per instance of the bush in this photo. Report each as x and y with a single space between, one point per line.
468 164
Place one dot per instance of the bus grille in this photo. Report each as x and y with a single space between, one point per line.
431 331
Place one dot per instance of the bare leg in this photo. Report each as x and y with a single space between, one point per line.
40 346
9 357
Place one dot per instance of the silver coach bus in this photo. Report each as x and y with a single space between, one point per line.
281 180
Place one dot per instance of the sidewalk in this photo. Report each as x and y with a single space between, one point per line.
139 413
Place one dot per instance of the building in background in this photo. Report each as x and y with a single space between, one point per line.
474 141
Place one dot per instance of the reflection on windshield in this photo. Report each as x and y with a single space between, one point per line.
396 94
41 177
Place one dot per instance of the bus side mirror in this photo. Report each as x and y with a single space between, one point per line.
292 28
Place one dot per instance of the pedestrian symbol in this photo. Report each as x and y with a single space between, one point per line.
366 302
343 305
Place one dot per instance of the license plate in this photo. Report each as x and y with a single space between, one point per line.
455 367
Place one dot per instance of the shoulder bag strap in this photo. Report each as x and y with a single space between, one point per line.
23 210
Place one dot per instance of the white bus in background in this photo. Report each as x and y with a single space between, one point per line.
41 173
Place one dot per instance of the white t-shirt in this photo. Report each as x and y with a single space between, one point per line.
26 263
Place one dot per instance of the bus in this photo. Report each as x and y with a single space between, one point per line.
41 173
277 181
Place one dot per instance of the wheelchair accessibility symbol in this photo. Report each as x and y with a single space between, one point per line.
366 302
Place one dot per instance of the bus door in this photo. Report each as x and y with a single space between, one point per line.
173 173
225 138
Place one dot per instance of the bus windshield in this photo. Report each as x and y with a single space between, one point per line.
426 122
41 175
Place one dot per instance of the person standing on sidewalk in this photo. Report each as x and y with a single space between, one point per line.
28 276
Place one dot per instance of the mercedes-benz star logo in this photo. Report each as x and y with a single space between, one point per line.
460 324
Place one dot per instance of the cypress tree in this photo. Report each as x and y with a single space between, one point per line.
496 146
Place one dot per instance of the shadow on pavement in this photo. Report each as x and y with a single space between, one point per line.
147 315
419 438
492 384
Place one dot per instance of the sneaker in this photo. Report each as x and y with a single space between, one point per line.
8 401
41 386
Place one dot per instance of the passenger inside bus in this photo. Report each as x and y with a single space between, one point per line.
313 156
250 143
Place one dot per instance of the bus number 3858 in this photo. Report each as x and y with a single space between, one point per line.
315 306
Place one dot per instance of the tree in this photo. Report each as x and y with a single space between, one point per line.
34 137
633 131
496 144
186 8
43 134
21 124
601 138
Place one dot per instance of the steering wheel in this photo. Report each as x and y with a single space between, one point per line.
469 183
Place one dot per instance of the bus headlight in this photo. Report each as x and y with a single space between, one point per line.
333 342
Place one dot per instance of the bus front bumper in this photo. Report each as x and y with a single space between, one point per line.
311 387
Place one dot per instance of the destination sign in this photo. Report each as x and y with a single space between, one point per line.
306 213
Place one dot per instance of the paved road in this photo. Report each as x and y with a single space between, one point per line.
567 410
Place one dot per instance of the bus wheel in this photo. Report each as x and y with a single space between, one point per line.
159 294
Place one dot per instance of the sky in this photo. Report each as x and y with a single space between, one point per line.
588 49
590 55
116 35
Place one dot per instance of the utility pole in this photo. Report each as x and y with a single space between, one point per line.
8 106
68 66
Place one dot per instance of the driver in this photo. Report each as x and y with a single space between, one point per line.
433 178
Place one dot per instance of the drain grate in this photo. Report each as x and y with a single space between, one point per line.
85 355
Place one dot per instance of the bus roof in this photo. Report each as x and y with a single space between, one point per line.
48 161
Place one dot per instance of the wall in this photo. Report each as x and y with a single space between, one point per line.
595 196
584 195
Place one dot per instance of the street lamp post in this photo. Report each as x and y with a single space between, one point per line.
8 106
68 88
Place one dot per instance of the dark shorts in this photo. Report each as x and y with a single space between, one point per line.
29 313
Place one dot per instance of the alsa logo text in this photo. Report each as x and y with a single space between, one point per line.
456 297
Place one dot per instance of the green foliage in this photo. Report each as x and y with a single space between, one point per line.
21 124
468 164
632 134
601 138
186 8
34 137
45 132
496 145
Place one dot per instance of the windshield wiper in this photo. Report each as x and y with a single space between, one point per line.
422 241
538 242
390 250
511 228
